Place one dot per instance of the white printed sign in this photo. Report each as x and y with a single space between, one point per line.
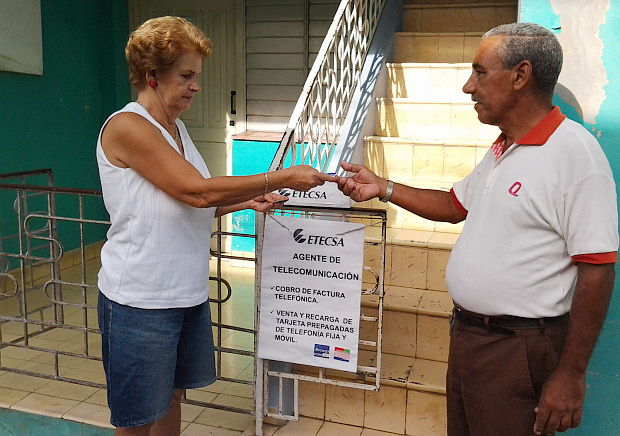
310 292
327 195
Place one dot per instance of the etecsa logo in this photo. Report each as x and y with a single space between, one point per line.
298 237
285 192
331 241
312 194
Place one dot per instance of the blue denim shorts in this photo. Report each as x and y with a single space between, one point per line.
149 352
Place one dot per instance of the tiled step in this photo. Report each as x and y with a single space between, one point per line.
424 47
455 17
428 81
414 258
411 400
439 120
426 164
415 322
41 270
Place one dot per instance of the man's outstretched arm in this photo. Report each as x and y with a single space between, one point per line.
431 204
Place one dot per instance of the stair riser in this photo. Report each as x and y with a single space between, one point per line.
451 18
451 48
437 121
407 334
409 266
423 165
441 82
401 219
392 409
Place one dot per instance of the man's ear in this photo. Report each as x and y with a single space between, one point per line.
522 75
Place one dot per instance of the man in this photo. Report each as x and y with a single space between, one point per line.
540 240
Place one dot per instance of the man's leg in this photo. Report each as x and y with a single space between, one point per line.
457 419
500 378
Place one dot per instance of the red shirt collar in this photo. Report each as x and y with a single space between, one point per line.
539 133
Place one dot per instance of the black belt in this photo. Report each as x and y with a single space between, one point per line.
504 324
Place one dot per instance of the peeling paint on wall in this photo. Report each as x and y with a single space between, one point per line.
583 78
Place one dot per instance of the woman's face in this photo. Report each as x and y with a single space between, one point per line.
180 84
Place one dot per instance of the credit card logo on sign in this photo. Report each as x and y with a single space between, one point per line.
342 354
321 351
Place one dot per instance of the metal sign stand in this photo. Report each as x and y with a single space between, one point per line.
267 372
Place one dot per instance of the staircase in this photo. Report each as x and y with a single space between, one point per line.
427 135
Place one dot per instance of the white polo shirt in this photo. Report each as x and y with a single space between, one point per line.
547 202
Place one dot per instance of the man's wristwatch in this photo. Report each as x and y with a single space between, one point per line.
388 192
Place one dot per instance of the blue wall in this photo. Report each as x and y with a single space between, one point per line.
601 412
249 157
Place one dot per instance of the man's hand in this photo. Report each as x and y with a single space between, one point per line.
561 403
363 185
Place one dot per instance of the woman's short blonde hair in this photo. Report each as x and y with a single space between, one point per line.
157 43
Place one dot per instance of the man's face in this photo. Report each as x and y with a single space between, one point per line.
490 85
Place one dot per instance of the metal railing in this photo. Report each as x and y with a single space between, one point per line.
47 293
324 102
36 303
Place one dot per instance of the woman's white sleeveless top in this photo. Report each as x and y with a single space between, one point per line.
157 251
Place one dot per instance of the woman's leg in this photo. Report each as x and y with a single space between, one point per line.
139 356
170 425
141 430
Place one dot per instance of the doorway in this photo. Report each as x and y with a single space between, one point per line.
218 112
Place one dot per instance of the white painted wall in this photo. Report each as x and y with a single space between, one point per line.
21 47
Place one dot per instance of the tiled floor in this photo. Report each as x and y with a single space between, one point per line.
87 404
26 424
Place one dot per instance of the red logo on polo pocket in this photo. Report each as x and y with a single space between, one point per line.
514 189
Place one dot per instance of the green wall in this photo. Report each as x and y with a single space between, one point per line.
601 411
53 120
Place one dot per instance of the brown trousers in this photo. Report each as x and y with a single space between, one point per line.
494 380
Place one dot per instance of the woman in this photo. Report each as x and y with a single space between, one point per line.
153 308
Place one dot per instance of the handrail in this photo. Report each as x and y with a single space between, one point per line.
49 189
326 95
29 173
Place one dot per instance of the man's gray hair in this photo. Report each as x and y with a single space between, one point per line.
532 42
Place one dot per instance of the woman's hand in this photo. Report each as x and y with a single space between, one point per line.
304 177
267 202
